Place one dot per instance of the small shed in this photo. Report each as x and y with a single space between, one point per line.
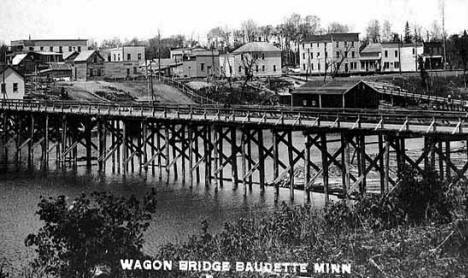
338 94
11 83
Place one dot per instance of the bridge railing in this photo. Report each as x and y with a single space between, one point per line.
289 115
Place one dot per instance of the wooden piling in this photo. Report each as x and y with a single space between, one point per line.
125 148
291 166
275 163
324 151
261 160
234 157
306 168
346 166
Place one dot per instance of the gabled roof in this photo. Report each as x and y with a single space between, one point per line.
333 37
372 48
5 68
69 54
257 47
84 56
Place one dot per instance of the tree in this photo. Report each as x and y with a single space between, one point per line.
334 64
112 43
3 52
248 60
373 31
387 34
90 233
249 29
462 46
336 27
407 37
418 33
435 31
219 36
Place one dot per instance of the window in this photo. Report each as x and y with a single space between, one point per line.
115 57
303 45
352 44
134 70
128 72
345 43
51 49
98 72
337 44
90 72
129 56
337 54
263 68
318 54
397 65
256 68
60 49
118 57
42 48
413 51
109 58
386 53
303 67
263 56
3 88
303 55
396 53
240 69
202 66
326 54
139 56
317 44
311 55
318 66
31 48
69 49
274 68
311 66
352 54
230 69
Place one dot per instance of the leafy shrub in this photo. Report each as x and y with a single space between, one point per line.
90 232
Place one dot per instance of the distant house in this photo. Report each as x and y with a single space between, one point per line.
197 63
433 54
27 63
11 83
408 56
371 58
259 59
56 71
88 65
125 54
178 54
339 51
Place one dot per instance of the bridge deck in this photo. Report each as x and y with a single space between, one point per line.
418 121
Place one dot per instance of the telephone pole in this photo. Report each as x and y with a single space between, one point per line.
444 35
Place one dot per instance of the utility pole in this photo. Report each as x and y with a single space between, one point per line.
443 34
399 52
159 55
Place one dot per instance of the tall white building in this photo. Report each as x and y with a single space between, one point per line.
330 52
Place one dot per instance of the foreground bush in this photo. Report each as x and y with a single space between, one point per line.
89 235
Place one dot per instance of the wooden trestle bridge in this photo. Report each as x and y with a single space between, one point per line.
229 144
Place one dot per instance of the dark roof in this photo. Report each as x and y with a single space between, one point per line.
4 68
333 37
372 48
332 87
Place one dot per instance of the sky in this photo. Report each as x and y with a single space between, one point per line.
126 19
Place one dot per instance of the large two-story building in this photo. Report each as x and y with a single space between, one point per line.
48 45
259 59
335 52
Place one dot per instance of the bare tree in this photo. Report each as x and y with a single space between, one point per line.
387 34
250 29
373 31
249 61
336 27
334 64
435 31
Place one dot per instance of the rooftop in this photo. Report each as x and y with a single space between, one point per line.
257 47
333 37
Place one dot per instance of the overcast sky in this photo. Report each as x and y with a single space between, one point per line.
100 19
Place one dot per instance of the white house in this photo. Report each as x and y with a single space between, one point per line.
11 84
